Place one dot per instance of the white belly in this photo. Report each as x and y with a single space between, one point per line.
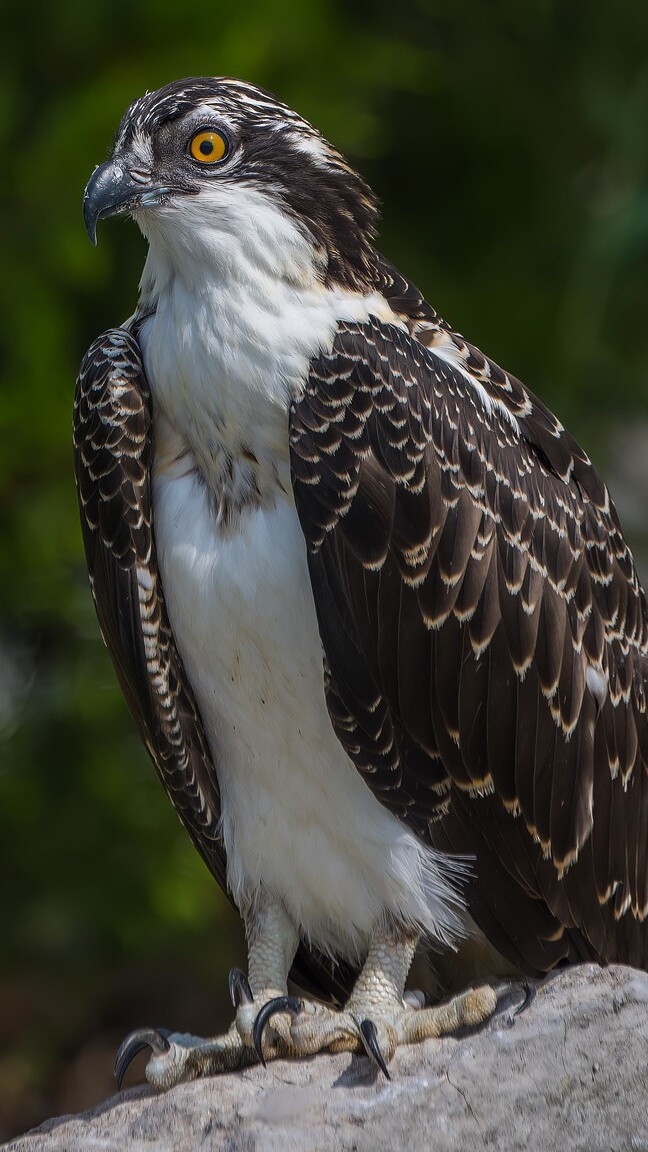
296 815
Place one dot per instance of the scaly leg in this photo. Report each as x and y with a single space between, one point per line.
378 1015
272 942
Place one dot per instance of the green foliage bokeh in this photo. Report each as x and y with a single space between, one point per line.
508 144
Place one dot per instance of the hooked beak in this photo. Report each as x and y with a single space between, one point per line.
114 189
111 189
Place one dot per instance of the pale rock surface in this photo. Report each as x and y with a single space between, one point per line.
570 1073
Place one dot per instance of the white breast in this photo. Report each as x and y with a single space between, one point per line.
226 353
228 347
297 816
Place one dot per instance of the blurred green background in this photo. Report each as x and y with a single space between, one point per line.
508 142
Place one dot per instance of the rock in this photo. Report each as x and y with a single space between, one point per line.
569 1073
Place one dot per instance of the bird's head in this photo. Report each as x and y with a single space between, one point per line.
213 164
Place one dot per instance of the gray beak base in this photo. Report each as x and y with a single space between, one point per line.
110 190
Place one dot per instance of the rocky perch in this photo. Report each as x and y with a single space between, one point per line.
569 1073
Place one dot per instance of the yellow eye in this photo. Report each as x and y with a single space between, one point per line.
208 147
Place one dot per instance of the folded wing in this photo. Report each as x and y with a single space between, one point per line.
484 630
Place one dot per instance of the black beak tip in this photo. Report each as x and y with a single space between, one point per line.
90 225
107 189
91 207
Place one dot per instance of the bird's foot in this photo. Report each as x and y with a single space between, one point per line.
178 1056
377 1028
269 1025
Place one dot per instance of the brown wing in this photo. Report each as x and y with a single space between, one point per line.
484 630
112 456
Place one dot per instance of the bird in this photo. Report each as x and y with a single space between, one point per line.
367 599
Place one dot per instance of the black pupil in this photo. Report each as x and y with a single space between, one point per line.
206 147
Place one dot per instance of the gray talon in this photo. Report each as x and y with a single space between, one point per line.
154 1038
239 988
274 1007
414 998
369 1037
511 987
529 990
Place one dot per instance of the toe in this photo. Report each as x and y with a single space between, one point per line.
278 1006
319 1029
157 1039
191 1058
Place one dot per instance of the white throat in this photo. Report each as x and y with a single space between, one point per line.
240 309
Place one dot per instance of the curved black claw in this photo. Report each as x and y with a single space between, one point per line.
239 988
529 990
369 1037
274 1007
521 985
135 1042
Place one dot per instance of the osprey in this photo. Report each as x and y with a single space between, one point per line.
368 601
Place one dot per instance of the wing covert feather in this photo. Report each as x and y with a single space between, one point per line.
112 457
477 600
